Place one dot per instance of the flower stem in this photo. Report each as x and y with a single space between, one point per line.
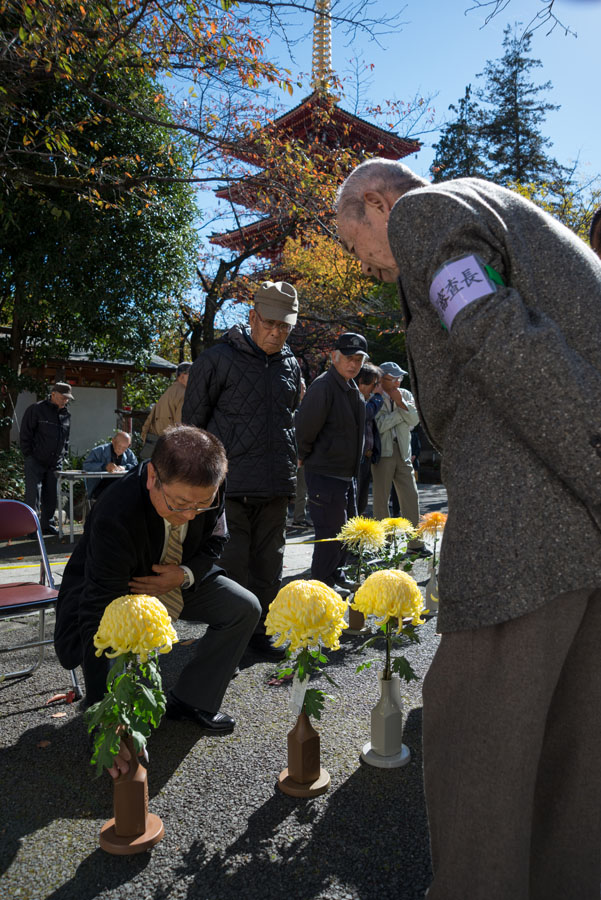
387 673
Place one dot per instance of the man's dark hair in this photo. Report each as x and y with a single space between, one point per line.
183 368
594 234
191 455
368 374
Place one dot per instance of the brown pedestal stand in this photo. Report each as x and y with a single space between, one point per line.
133 829
356 622
304 776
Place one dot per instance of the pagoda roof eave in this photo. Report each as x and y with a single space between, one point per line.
298 114
237 237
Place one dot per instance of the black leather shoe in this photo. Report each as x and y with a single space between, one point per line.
339 588
49 529
216 723
261 643
343 580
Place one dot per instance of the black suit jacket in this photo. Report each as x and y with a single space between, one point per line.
123 538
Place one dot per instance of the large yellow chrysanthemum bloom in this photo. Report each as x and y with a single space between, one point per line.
361 533
398 525
388 594
135 623
432 523
306 613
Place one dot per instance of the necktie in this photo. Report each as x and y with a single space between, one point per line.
173 600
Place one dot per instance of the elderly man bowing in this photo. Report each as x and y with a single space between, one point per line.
502 308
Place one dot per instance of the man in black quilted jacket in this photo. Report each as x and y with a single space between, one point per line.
244 390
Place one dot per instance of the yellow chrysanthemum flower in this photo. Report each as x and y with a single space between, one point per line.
398 524
432 523
307 613
361 533
389 594
135 623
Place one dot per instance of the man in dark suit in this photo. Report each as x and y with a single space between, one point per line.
502 310
160 531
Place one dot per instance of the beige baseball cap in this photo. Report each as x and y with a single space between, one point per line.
277 300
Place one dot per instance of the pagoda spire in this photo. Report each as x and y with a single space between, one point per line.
321 75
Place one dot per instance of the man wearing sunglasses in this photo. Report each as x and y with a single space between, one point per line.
160 531
244 390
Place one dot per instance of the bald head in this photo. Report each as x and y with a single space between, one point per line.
384 176
121 442
363 206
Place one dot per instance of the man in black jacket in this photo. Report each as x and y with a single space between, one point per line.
244 390
159 530
330 429
44 440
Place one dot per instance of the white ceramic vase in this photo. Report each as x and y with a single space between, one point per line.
431 592
386 749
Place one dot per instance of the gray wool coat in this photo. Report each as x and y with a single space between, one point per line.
510 395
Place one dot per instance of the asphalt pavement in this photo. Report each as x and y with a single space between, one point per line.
230 833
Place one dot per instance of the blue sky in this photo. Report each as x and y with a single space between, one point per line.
442 46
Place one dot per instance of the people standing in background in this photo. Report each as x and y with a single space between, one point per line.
330 427
44 441
368 382
395 419
166 411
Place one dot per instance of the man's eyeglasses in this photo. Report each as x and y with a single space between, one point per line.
272 325
175 509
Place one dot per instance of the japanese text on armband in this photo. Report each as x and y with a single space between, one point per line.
457 284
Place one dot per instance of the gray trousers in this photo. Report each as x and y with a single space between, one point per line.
231 613
254 554
512 756
395 470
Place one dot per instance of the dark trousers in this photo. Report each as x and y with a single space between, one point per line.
512 743
254 554
363 483
331 502
40 485
231 612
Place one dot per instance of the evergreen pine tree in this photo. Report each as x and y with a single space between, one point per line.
515 110
459 152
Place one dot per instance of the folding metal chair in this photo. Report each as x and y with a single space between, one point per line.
28 597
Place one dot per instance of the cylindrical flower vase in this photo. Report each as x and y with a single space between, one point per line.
132 829
386 749
431 593
303 776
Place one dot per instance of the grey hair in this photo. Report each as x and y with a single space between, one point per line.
384 175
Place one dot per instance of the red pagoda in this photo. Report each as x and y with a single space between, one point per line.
318 114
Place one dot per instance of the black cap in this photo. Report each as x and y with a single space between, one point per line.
350 343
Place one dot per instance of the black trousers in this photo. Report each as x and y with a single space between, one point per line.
331 502
40 485
363 484
254 554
